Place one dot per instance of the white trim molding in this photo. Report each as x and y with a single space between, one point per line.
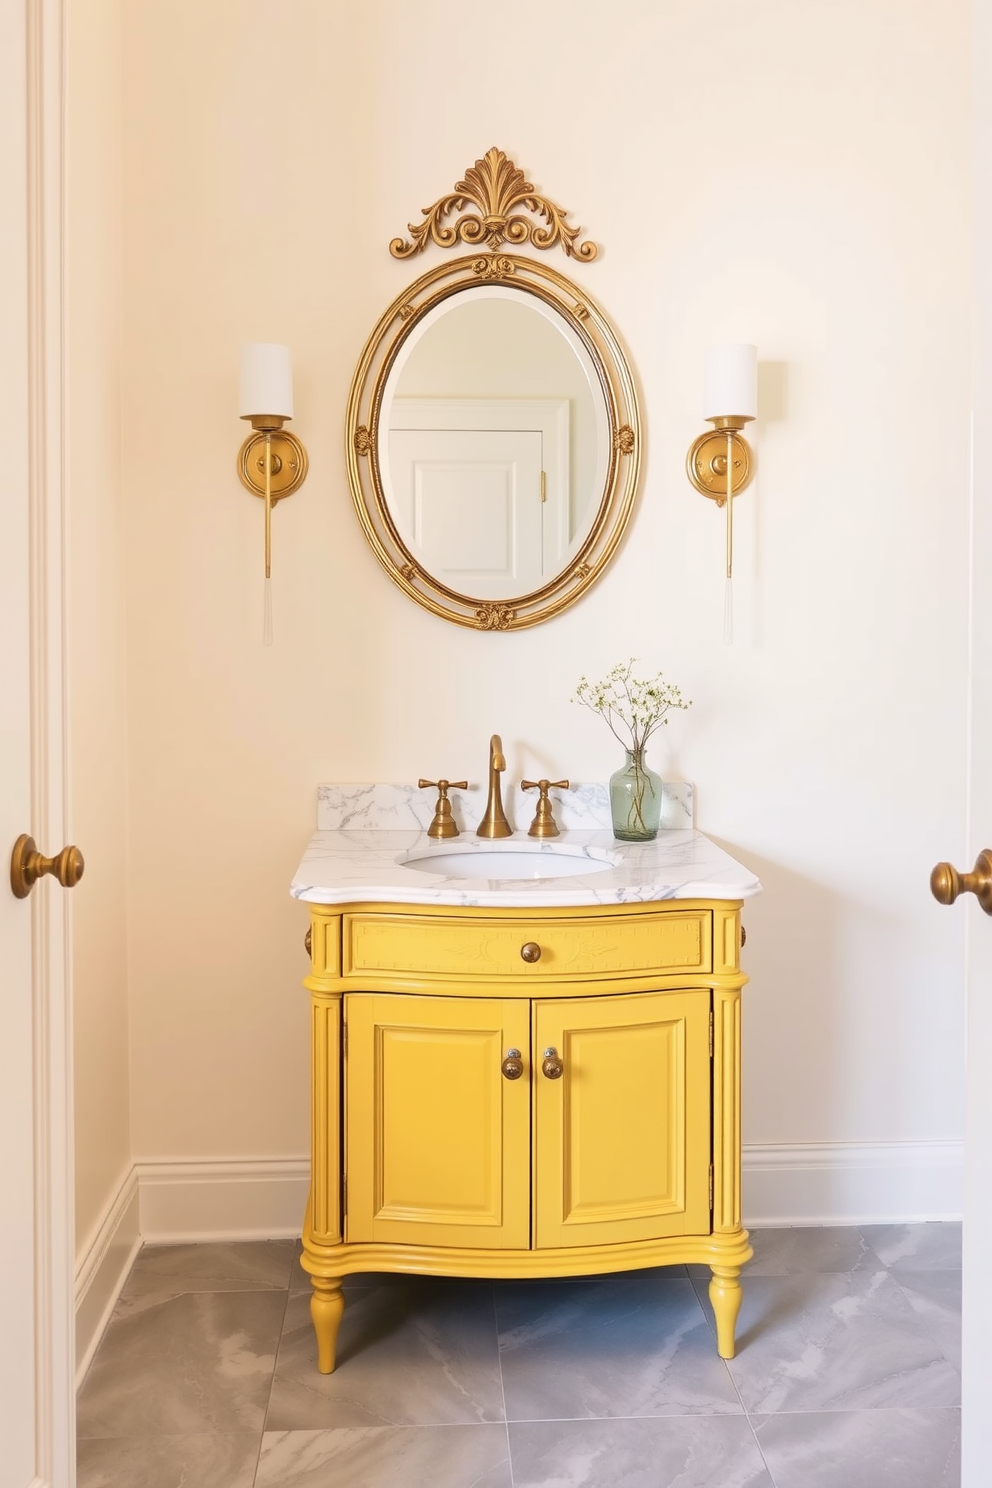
222 1199
836 1183
829 1183
102 1268
171 1202
34 29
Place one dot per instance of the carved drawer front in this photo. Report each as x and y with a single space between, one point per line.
587 946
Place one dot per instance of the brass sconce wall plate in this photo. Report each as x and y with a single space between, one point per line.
706 465
289 464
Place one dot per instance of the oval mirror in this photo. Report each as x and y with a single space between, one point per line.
493 441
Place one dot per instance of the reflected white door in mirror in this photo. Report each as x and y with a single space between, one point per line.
468 504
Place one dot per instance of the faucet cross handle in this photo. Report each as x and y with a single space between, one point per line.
443 824
544 824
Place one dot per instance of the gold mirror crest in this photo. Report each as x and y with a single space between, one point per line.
497 187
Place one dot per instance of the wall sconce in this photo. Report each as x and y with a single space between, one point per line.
719 462
272 463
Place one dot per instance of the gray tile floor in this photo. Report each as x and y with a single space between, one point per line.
847 1374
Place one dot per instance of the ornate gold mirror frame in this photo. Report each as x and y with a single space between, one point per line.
498 189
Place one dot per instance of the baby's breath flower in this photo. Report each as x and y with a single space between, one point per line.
630 706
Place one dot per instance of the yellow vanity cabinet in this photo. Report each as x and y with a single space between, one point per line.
506 1094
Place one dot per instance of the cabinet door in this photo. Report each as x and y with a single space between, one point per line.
437 1140
622 1137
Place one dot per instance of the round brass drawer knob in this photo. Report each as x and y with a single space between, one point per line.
552 1066
531 951
308 942
513 1065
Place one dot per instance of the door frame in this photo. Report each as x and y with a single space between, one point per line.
976 1343
50 906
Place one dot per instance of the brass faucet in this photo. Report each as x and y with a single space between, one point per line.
494 823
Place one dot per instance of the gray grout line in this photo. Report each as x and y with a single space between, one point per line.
275 1365
502 1390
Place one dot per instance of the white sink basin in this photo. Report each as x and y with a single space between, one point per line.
510 860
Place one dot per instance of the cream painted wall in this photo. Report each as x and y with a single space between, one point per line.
818 206
97 698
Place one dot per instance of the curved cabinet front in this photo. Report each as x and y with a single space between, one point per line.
481 1113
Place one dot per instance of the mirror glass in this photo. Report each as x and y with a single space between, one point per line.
493 442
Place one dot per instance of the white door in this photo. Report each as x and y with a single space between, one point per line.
468 506
36 1346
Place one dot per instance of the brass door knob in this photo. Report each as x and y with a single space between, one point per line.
552 1066
27 865
530 952
513 1065
946 883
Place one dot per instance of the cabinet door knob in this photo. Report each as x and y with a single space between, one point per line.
308 942
946 883
513 1065
552 1066
531 951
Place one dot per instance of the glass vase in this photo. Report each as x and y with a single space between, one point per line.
635 800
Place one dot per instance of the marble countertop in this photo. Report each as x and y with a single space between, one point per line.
350 865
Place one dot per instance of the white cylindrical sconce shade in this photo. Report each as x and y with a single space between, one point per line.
730 387
266 380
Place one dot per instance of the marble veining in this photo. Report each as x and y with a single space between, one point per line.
347 866
833 1342
215 1350
406 1355
363 1457
627 1346
407 808
681 1451
899 1448
195 1461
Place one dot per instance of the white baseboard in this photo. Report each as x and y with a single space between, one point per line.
814 1183
263 1199
784 1184
103 1266
796 1183
260 1199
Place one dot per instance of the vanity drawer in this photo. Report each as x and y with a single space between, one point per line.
545 950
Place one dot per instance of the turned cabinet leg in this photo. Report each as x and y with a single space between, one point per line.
725 1296
326 1307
